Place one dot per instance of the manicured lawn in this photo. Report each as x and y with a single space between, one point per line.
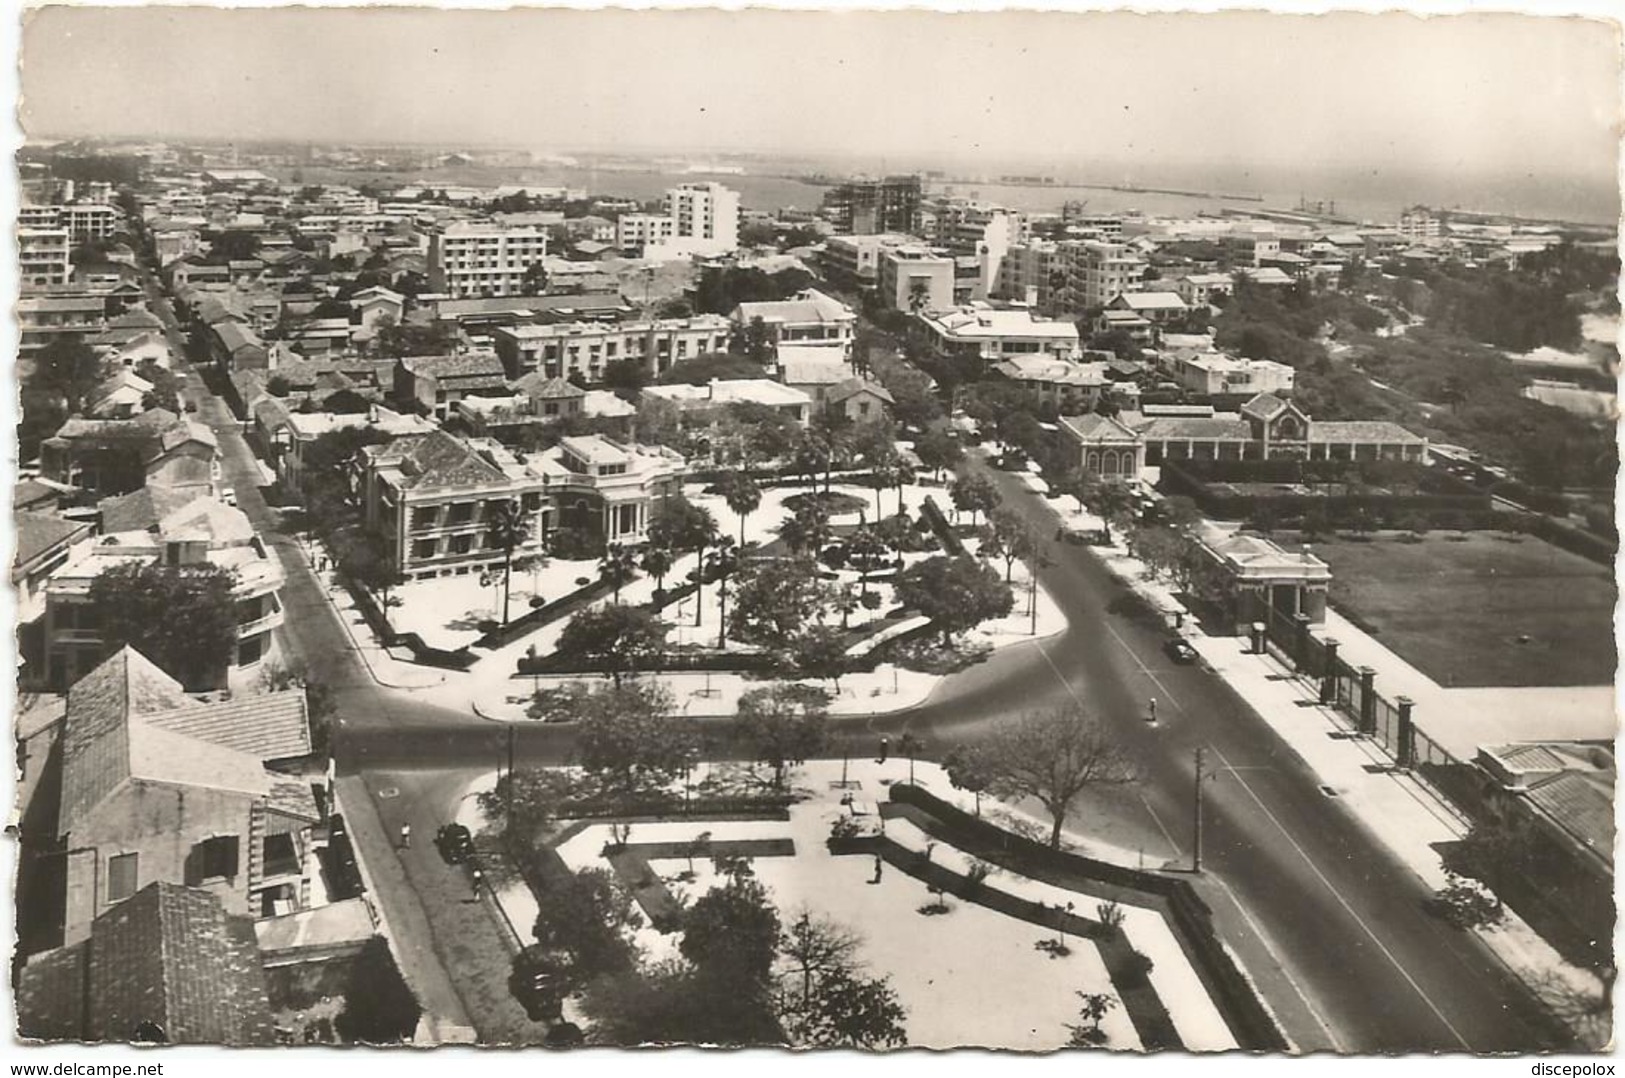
1485 611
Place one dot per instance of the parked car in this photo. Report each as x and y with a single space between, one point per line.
455 843
228 495
1179 651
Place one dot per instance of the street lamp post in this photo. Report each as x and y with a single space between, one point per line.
1202 775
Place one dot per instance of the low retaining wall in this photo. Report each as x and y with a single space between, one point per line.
1190 917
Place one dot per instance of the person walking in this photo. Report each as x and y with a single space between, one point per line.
878 864
1151 716
406 836
479 878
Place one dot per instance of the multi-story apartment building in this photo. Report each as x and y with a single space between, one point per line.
854 261
483 258
915 279
43 319
560 349
89 221
705 217
1216 374
699 219
1098 273
634 232
1033 273
1419 225
864 207
43 255
159 526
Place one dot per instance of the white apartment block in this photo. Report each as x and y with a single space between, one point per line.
483 258
1098 273
707 213
915 279
1419 225
854 261
89 221
1214 373
586 348
993 335
636 231
43 255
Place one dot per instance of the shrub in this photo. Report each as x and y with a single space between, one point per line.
1464 903
1137 968
1111 915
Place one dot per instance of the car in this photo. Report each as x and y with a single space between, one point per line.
228 495
455 843
1179 651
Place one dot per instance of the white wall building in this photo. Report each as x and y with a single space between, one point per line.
483 258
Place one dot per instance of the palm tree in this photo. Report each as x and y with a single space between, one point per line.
618 565
742 494
657 562
722 561
807 529
508 526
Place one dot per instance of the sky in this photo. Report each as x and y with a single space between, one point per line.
1479 95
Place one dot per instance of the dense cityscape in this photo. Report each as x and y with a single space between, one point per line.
483 595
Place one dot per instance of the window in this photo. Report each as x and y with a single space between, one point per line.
423 548
122 872
462 544
461 513
215 858
250 651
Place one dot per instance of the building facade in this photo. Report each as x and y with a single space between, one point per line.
485 258
583 349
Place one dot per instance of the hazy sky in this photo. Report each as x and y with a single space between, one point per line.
1476 94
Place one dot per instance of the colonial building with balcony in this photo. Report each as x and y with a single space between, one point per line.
435 496
163 526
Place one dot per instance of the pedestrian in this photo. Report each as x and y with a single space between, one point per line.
878 864
406 836
885 750
1152 719
479 878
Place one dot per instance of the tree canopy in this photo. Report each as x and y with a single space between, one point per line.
784 724
1053 756
183 618
614 639
955 593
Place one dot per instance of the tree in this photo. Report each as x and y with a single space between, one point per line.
234 245
955 593
742 494
1114 503
379 1007
657 562
412 339
939 450
682 525
672 1002
969 769
774 600
524 801
630 742
535 280
626 377
818 650
807 529
182 617
1008 536
587 915
1095 1006
865 548
69 367
615 639
1053 756
509 527
732 931
974 494
784 724
823 1001
618 566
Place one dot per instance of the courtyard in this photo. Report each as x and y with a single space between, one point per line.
1480 609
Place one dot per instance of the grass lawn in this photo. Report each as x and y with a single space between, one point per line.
1492 609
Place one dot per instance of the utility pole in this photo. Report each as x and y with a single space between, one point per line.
1202 775
513 733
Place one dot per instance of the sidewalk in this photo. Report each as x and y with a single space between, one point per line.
1403 813
401 920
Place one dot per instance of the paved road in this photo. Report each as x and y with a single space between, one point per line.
1364 967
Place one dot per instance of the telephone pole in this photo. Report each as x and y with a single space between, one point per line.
1196 856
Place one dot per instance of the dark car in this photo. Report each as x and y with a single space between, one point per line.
536 983
1179 651
455 843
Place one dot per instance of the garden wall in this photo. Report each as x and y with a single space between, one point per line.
1191 918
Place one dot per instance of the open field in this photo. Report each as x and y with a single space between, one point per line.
1489 609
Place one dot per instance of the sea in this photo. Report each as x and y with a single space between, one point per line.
1358 196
